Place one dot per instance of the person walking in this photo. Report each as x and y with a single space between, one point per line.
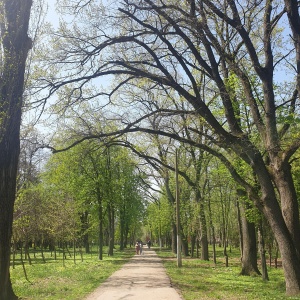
137 248
149 244
141 247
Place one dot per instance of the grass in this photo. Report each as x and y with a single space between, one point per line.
198 279
54 281
195 280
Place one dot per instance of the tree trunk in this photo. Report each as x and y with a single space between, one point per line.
15 46
204 247
203 228
184 244
262 251
174 238
193 243
84 229
121 236
126 235
240 226
288 200
282 221
122 227
214 248
213 235
111 228
249 258
290 260
100 218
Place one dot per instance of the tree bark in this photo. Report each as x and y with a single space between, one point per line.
193 243
111 228
248 243
15 16
249 258
290 260
84 229
100 218
282 221
123 226
174 238
262 251
213 236
203 228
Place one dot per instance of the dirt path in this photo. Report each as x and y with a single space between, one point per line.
142 278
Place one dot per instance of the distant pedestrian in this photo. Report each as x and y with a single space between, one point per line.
141 248
137 248
149 244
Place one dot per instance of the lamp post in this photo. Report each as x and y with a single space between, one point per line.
179 259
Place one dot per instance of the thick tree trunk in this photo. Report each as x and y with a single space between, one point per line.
288 199
282 220
249 258
184 245
290 260
16 44
204 248
8 167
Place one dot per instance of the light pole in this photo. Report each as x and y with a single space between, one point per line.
179 259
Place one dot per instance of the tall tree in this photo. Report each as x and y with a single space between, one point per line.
15 44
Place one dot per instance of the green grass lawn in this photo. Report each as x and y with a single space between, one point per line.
54 281
198 279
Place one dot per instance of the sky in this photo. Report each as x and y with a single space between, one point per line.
51 15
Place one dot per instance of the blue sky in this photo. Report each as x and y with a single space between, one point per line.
52 15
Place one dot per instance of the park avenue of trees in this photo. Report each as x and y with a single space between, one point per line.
120 86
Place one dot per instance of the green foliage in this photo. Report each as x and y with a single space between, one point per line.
74 184
159 218
198 279
53 281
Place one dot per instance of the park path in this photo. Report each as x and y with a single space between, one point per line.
142 278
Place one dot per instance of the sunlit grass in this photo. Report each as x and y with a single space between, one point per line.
54 280
198 279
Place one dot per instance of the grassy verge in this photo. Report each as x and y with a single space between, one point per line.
198 279
54 280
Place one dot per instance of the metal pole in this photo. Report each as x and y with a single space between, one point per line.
179 259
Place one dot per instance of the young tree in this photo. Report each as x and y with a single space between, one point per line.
15 44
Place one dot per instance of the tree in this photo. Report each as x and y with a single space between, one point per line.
169 45
15 45
160 215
